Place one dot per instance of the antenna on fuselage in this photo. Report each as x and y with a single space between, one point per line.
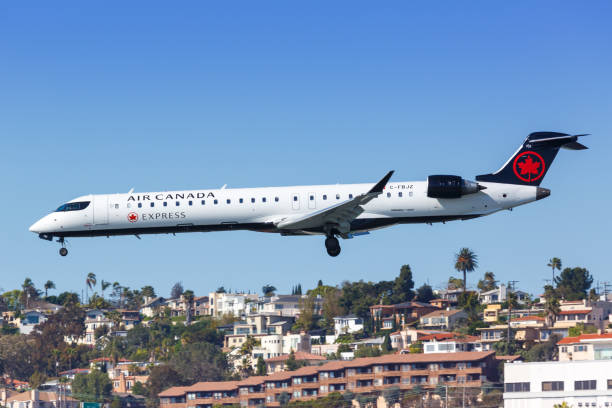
223 188
131 190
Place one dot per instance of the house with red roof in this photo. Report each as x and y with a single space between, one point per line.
586 347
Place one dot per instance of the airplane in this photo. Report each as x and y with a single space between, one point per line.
339 210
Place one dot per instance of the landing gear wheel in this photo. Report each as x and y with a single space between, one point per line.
333 246
63 251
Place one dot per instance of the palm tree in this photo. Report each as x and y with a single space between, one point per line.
466 261
49 285
268 290
188 297
104 285
90 281
554 263
551 305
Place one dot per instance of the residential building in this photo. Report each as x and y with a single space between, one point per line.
586 347
29 320
275 345
586 383
93 320
201 306
124 383
451 295
278 363
442 319
362 375
585 312
491 313
400 314
259 326
324 349
454 344
129 318
36 399
233 304
347 324
500 295
152 307
288 305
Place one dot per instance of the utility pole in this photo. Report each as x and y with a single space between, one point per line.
446 388
463 399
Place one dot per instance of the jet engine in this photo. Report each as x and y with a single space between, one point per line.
445 186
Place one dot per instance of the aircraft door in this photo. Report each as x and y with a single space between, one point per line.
295 201
100 209
312 201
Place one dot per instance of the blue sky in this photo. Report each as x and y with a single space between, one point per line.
103 97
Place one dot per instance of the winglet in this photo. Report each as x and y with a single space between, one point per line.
378 188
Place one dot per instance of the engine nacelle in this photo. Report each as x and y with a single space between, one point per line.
445 186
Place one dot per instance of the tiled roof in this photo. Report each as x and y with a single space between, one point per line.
570 312
42 396
332 366
508 358
527 318
443 313
584 338
299 355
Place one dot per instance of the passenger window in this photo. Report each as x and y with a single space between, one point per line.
241 200
295 198
152 204
276 199
216 202
129 205
165 204
178 203
325 196
229 201
337 196
139 205
410 194
350 196
311 198
388 194
116 206
263 199
399 194
203 202
190 202
252 199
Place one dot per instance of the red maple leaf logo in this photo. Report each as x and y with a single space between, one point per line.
132 217
529 169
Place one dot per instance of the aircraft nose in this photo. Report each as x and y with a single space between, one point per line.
39 226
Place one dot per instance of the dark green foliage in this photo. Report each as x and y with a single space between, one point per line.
162 377
573 283
139 389
546 351
366 351
66 298
386 346
176 291
403 285
581 328
261 366
424 293
200 362
92 387
284 398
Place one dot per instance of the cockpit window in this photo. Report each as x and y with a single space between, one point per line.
80 205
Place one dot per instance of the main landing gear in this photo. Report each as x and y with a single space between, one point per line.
332 245
63 251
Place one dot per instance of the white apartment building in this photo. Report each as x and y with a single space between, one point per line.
580 384
347 324
235 304
275 345
586 347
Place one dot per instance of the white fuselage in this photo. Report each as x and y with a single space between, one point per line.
260 209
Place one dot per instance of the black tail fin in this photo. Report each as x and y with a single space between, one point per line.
529 164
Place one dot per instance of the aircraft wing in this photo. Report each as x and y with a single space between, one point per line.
340 214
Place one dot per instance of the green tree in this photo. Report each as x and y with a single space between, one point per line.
268 290
15 353
488 282
454 283
162 377
261 366
551 305
391 395
554 263
386 345
465 261
48 285
200 362
37 379
284 398
188 298
104 285
424 293
291 364
148 291
139 389
573 283
95 386
176 291
90 282
403 285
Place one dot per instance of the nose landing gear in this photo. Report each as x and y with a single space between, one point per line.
63 251
332 245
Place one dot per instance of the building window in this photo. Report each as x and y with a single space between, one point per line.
580 348
564 349
552 386
517 387
585 385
